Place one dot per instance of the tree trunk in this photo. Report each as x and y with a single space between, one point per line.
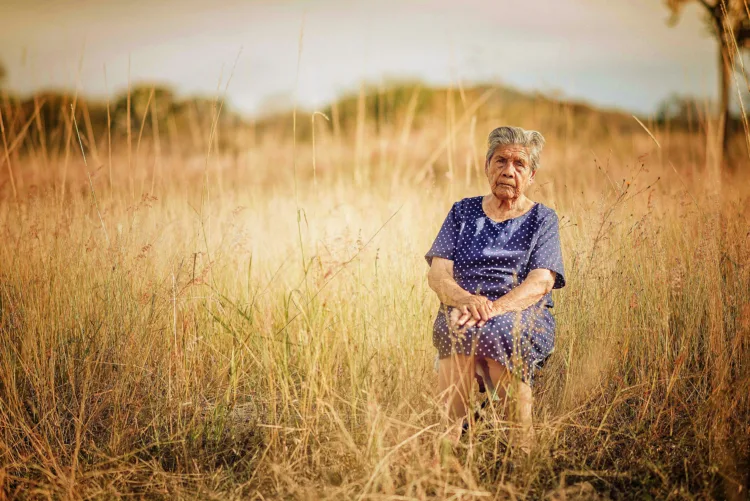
725 81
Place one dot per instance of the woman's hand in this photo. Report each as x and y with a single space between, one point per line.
470 311
494 310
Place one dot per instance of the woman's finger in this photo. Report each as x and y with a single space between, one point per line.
453 317
484 313
465 315
464 318
474 312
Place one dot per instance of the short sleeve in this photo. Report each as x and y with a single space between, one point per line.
546 252
445 243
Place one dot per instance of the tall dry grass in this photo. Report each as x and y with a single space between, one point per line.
232 325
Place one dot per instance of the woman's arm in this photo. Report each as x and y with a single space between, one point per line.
537 283
440 279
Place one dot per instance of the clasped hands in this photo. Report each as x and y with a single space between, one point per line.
472 311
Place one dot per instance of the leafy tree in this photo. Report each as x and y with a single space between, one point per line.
729 23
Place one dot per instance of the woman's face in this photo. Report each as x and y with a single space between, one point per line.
509 171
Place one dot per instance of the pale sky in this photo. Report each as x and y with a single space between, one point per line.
607 52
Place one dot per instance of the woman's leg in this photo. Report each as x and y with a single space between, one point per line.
515 394
455 377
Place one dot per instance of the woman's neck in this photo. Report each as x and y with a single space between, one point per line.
499 209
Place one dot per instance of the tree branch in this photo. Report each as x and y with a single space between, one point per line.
714 10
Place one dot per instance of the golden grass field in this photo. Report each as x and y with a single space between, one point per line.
254 322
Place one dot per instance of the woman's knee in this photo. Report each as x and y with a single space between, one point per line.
457 364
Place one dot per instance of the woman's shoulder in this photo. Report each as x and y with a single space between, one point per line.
545 210
468 206
544 213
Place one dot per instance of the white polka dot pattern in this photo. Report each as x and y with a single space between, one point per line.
490 259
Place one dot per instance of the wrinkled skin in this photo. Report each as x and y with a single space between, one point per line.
509 174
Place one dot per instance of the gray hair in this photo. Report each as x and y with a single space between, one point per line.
532 140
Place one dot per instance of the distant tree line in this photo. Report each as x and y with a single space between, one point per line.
44 119
150 113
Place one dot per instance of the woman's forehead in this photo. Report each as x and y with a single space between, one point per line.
515 150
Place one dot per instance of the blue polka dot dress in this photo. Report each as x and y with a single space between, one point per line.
490 259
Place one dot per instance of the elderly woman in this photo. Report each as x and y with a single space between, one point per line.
493 266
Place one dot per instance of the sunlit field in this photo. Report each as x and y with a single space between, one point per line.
248 316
